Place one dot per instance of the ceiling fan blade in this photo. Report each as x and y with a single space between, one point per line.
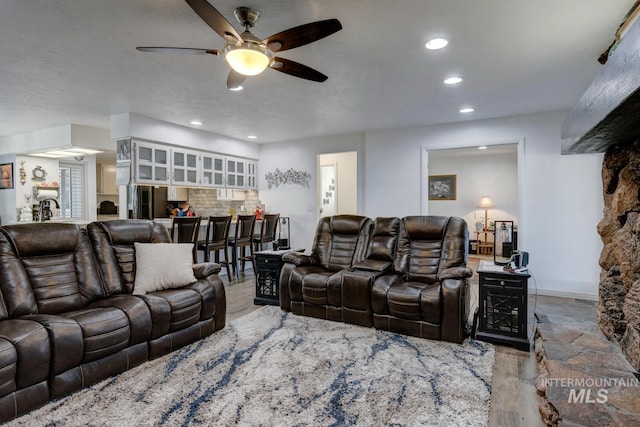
215 20
297 70
181 50
235 79
304 34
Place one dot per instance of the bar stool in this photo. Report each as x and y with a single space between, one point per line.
185 229
243 238
267 231
217 240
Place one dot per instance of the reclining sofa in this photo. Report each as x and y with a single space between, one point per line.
68 318
405 275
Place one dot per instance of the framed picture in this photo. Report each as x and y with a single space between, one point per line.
442 187
6 176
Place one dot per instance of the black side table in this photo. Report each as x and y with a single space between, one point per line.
502 311
268 266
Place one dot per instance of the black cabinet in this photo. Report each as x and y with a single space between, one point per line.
268 266
502 312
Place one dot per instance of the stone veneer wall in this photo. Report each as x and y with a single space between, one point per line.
619 296
204 202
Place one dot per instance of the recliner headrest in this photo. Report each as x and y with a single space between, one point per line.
426 227
29 239
347 224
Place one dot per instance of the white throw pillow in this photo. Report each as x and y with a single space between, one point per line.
163 266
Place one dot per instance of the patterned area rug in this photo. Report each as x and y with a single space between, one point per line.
274 368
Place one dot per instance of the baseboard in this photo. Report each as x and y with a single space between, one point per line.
574 295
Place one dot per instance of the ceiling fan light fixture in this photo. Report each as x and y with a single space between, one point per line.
247 58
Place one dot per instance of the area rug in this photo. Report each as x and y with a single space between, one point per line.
275 368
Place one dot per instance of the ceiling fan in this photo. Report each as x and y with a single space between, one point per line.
247 54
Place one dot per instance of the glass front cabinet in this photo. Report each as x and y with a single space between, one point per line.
157 164
152 163
213 170
184 167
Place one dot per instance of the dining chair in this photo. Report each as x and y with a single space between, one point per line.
243 238
267 231
216 240
185 229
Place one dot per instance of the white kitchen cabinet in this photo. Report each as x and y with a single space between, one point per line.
213 170
152 163
185 167
177 193
236 173
252 174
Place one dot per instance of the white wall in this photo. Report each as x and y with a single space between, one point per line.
294 201
493 175
562 194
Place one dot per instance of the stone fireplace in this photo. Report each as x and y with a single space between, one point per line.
605 120
619 296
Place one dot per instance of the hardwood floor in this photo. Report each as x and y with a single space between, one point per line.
514 400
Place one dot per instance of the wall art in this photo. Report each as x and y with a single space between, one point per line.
6 176
278 177
442 187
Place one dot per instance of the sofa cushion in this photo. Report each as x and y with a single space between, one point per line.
163 266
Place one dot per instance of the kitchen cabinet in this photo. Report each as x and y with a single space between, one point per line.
213 170
152 163
184 167
106 179
252 173
177 193
235 173
157 164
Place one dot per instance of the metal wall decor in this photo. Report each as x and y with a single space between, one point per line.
277 177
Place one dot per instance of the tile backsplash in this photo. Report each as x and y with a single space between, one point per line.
205 202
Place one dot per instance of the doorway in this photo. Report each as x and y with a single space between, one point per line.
495 171
337 188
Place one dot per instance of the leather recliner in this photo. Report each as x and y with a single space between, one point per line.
179 316
411 280
426 293
311 284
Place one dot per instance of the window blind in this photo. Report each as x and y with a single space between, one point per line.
71 191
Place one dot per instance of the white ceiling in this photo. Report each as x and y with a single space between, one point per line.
74 61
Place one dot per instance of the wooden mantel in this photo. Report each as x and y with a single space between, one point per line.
608 112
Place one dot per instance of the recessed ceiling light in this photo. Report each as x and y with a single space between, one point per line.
467 110
482 147
437 43
453 80
252 137
196 122
236 88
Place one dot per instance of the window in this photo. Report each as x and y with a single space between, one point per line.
71 191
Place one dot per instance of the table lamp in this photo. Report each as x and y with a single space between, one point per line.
486 203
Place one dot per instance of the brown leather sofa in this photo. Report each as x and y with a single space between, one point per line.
411 278
67 315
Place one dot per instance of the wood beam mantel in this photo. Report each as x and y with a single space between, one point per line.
608 113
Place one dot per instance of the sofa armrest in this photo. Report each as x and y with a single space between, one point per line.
372 265
455 273
205 269
454 309
299 259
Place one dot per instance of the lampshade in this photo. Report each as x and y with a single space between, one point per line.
247 58
486 202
